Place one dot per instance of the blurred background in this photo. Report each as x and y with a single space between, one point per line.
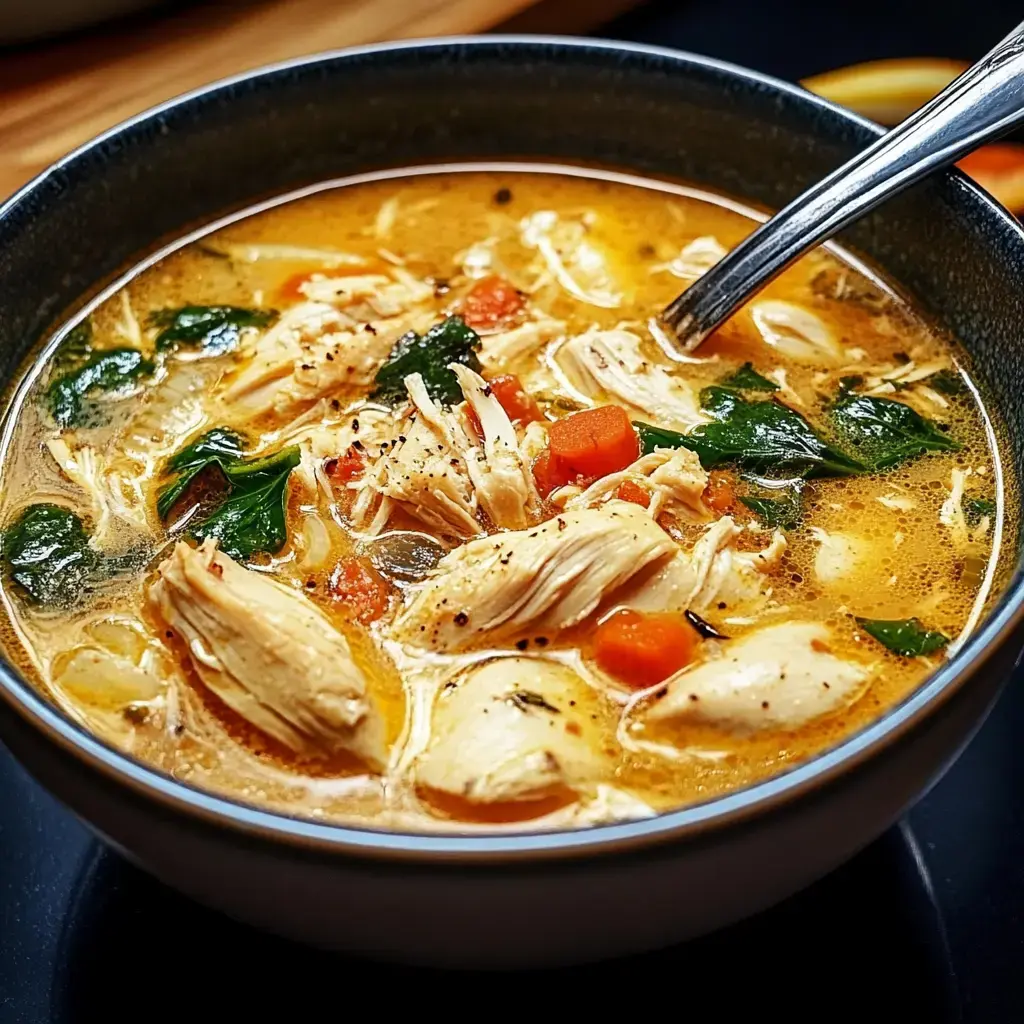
69 69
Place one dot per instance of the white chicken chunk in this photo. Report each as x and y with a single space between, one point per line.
500 474
714 575
839 555
673 477
269 654
779 677
796 333
369 296
541 579
513 730
424 471
313 351
611 363
508 346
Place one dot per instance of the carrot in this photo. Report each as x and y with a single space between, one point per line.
358 586
547 475
474 421
629 491
594 443
346 467
491 302
719 494
643 649
518 405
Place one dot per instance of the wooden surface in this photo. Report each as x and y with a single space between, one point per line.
56 95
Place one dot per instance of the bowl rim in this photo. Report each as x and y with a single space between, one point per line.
686 823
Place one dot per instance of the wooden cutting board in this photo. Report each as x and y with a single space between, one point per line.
54 96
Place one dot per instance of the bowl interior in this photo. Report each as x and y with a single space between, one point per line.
641 110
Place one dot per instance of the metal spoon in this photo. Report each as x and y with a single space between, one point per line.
986 101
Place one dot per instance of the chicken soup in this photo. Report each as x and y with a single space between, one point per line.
391 505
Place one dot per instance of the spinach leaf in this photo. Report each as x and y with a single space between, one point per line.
215 329
975 509
110 370
754 435
450 341
746 378
76 346
48 555
218 447
946 382
252 520
907 637
784 512
886 433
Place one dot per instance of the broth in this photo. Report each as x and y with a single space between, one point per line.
814 526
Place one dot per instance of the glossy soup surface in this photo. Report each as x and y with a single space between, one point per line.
484 600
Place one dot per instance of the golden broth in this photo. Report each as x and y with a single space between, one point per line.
905 548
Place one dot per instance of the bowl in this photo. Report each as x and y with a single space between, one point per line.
521 900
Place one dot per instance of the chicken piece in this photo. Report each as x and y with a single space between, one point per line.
673 477
839 555
269 654
514 730
537 580
714 575
367 297
611 363
694 259
778 677
508 346
500 474
796 333
311 352
424 471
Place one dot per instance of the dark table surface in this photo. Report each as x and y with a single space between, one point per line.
925 925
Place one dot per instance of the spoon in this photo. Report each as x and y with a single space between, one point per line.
986 101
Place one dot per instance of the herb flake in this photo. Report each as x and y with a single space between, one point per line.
906 637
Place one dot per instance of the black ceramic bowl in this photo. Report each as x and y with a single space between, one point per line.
525 899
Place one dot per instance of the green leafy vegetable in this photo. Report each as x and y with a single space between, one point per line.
946 382
450 341
907 637
218 447
975 509
886 433
215 329
76 346
252 520
108 370
48 555
746 378
784 512
755 435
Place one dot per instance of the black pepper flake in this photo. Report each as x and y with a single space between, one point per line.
358 445
401 437
449 685
169 635
722 606
541 641
503 196
572 703
661 693
693 696
561 524
311 584
487 391
765 705
704 629
525 700
179 729
307 366
828 686
355 426
330 358
335 404
369 328
521 645
461 619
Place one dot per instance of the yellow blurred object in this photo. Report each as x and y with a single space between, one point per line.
886 91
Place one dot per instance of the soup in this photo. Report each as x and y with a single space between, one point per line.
390 505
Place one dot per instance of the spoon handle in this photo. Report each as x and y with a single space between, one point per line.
986 101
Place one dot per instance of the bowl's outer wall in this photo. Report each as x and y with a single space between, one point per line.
636 110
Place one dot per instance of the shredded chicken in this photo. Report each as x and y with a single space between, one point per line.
611 363
508 346
540 580
673 477
713 576
367 297
796 333
501 476
839 555
515 729
268 653
778 677
695 258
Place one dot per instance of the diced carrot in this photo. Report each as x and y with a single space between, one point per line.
474 421
719 495
346 467
594 442
518 405
491 302
629 491
547 474
643 649
364 594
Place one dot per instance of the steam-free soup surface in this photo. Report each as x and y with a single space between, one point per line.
388 505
